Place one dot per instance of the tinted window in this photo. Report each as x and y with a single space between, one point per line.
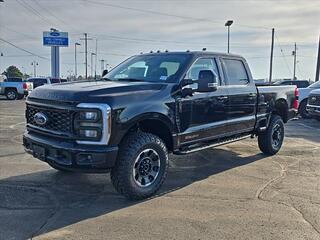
315 85
235 72
13 80
202 64
301 84
55 80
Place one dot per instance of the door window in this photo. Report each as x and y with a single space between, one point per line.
199 65
236 72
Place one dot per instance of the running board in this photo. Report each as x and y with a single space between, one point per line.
215 144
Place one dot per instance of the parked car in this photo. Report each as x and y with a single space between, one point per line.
313 106
13 88
151 105
298 83
303 98
37 82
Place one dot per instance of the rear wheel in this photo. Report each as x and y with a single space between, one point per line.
303 109
141 167
271 140
11 94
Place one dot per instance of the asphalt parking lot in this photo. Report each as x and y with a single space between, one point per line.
231 192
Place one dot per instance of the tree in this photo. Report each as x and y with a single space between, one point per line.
13 71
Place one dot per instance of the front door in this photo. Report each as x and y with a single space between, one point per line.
203 115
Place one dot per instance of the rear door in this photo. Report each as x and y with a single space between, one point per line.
242 93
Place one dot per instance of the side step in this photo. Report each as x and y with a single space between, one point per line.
219 142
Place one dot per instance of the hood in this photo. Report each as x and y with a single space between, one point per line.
110 92
315 92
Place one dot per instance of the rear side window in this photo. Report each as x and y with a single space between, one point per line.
235 72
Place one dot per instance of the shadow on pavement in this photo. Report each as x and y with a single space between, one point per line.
62 199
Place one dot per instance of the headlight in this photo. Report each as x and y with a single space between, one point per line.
92 115
92 123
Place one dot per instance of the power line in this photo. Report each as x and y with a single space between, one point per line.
28 7
169 14
22 49
283 56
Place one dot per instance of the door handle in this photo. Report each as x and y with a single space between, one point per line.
222 98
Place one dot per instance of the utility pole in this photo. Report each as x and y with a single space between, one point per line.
102 65
91 66
34 64
75 60
294 53
86 51
271 56
318 63
95 62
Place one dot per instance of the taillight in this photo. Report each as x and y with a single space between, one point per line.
296 100
25 86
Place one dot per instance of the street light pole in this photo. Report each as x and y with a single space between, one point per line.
92 54
34 64
75 60
228 24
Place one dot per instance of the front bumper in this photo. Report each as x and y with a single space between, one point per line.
313 110
70 155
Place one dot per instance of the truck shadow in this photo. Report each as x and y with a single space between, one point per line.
62 199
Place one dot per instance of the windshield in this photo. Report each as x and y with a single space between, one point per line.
150 68
315 85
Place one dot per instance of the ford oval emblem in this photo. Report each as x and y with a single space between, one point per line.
313 99
40 118
55 34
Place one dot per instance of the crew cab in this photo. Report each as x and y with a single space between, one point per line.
15 88
313 106
148 106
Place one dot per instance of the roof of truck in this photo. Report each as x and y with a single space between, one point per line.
196 53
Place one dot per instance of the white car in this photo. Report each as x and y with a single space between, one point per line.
303 98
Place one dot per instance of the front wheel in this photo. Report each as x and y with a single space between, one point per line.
141 167
271 140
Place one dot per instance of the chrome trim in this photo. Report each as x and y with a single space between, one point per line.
106 121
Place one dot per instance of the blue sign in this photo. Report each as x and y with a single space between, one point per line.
58 39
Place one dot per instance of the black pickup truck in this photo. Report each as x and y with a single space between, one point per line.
151 105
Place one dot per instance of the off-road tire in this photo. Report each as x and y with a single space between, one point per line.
11 94
122 176
303 109
266 139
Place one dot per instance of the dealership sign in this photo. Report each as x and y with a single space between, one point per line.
57 39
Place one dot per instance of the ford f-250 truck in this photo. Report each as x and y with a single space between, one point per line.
151 105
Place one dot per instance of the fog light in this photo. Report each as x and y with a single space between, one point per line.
89 133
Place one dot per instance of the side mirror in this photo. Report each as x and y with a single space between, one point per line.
105 72
207 81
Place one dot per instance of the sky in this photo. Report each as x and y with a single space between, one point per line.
122 28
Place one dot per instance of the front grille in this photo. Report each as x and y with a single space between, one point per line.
59 120
314 100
